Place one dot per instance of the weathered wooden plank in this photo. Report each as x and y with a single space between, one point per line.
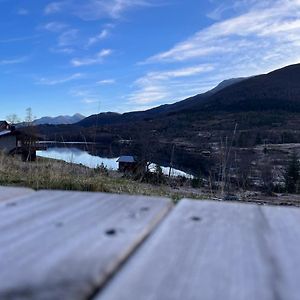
12 192
64 245
282 237
211 250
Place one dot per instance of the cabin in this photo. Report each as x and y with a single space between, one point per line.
8 137
127 164
8 141
5 126
130 164
13 141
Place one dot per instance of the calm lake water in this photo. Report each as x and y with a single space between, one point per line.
78 156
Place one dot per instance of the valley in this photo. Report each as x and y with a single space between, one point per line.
247 124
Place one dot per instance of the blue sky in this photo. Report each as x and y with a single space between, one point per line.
89 56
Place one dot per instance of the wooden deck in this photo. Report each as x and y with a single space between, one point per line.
91 246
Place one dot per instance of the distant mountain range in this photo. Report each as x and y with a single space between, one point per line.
262 109
60 120
278 90
110 118
267 105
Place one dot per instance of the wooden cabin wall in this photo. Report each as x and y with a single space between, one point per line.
8 143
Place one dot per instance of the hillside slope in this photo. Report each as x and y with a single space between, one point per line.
278 90
110 118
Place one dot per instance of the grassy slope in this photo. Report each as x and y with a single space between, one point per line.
52 174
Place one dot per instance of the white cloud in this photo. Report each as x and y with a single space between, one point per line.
93 10
97 59
97 9
63 50
95 39
18 39
261 39
270 26
158 86
106 81
90 100
55 7
237 6
55 26
68 37
87 96
184 72
46 81
13 61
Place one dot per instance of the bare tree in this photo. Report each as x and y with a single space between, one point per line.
267 177
29 138
29 116
12 119
244 168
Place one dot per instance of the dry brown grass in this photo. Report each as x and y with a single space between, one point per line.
58 175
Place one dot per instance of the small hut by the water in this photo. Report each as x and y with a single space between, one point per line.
127 164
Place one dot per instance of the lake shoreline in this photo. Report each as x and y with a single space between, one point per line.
80 156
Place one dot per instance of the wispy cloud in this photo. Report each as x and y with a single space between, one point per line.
47 81
90 100
62 50
86 95
259 31
157 86
95 39
238 6
13 61
261 39
97 59
97 9
18 39
68 37
55 7
93 10
54 26
106 81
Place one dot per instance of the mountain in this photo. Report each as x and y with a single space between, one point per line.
106 118
277 90
59 120
110 118
226 83
246 112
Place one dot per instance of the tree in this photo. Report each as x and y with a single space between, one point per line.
292 174
12 119
29 116
29 137
267 177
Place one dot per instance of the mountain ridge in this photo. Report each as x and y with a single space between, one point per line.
59 120
109 118
276 90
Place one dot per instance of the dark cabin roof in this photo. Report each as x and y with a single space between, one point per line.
126 159
3 125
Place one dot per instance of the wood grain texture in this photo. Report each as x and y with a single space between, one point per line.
12 192
64 245
212 250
